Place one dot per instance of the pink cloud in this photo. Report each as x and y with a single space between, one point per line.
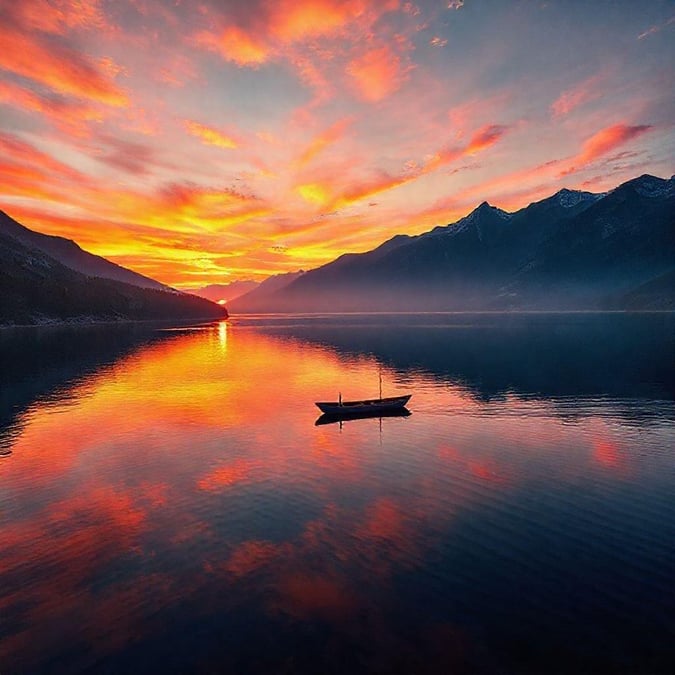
324 139
57 18
177 72
482 139
603 142
607 139
376 74
466 115
576 96
130 157
485 137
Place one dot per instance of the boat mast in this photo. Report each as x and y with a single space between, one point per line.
380 382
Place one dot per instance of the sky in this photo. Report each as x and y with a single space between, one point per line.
210 141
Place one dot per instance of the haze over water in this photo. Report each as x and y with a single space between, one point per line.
169 504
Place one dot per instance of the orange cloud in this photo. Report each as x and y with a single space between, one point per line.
331 192
326 138
296 20
609 138
63 111
376 74
209 135
278 25
235 44
602 142
330 196
27 154
59 68
379 183
179 196
483 138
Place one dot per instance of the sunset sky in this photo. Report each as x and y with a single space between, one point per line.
210 141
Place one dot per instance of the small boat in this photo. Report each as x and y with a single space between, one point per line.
367 406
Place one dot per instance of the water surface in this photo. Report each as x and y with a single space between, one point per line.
167 503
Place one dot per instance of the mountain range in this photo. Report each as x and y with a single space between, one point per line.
574 250
47 279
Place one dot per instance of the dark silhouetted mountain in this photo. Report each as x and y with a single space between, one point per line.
35 288
68 253
226 292
573 250
258 297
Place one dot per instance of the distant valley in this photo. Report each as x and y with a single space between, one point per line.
255 291
224 293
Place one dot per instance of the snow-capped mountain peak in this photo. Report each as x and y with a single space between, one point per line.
473 218
569 198
651 186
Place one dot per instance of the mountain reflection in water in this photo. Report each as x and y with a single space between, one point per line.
169 503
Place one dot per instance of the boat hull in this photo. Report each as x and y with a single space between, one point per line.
369 406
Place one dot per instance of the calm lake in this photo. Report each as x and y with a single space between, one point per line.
168 504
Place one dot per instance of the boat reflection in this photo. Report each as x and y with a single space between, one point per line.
331 419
